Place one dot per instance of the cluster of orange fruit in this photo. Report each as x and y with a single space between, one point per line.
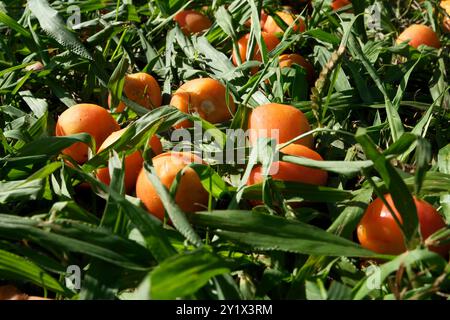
207 97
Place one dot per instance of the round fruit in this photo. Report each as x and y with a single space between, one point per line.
205 96
192 22
419 34
270 40
133 162
190 196
337 4
286 171
287 60
87 118
279 121
378 231
272 27
142 89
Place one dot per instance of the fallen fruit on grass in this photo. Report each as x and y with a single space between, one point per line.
279 121
190 195
205 96
270 40
192 22
272 27
418 34
133 162
142 89
286 171
337 4
379 232
287 60
87 118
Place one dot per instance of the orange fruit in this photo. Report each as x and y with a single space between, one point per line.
418 34
205 96
270 40
378 231
9 292
190 196
337 4
272 27
133 162
192 22
287 60
142 89
262 20
87 118
286 171
279 121
446 21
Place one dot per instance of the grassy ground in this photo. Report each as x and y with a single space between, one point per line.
380 112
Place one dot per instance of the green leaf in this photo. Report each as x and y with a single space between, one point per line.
267 233
150 227
52 24
407 259
21 190
16 267
345 224
77 237
184 274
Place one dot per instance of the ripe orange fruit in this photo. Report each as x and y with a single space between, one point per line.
192 22
142 89
190 196
286 171
9 292
287 60
270 40
87 118
272 27
205 96
446 21
418 34
133 162
378 231
289 122
337 4
262 20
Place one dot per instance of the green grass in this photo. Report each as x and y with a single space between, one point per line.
380 114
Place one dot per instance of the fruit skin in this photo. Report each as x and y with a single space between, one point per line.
337 4
190 196
133 162
288 120
272 27
205 96
262 20
192 22
270 40
378 231
287 60
141 88
446 21
87 118
293 172
9 292
418 34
